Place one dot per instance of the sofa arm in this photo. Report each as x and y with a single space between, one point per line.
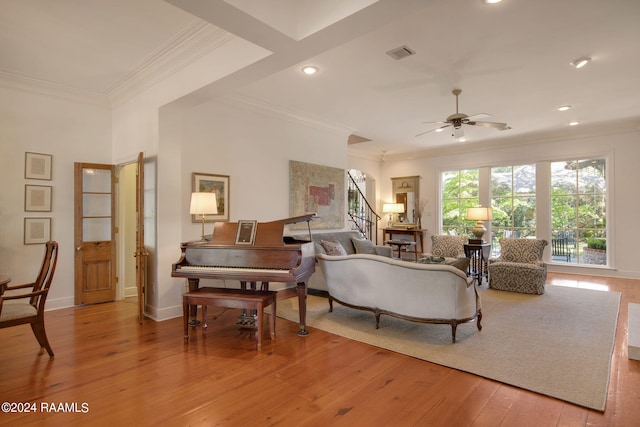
384 250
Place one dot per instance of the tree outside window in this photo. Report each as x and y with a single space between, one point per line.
513 199
578 211
459 192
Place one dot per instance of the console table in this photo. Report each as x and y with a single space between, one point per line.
479 254
417 234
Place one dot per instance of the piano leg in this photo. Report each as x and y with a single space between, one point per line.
302 307
194 284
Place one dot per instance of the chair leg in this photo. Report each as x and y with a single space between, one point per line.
41 335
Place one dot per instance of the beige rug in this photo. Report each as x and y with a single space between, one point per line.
558 344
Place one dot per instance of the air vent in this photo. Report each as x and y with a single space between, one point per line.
400 52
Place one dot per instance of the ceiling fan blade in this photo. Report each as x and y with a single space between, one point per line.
479 116
434 122
432 130
489 124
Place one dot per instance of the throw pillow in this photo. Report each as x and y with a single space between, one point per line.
333 247
363 246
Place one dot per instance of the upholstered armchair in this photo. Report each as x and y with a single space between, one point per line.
448 246
519 268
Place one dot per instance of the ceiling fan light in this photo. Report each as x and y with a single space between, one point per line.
491 1
580 62
574 123
439 129
564 107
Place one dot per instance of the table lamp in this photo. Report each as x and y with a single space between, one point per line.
392 208
479 214
203 204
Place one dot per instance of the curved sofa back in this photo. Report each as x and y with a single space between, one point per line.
411 289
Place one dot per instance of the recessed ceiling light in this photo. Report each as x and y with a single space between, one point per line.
580 62
491 1
564 107
574 123
309 69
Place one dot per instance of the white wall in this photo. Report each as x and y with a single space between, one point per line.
71 130
622 149
253 147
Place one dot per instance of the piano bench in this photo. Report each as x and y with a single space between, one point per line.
231 298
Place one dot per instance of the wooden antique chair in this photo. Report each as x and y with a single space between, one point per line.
23 304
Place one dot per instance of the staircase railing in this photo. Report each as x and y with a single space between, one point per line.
362 215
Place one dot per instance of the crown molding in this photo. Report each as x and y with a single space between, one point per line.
187 46
263 107
42 87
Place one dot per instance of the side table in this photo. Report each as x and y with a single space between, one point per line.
399 244
479 254
417 234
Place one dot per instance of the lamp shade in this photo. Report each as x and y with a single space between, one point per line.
393 208
479 213
203 204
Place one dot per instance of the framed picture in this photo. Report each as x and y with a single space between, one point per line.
37 198
37 166
37 230
246 232
209 183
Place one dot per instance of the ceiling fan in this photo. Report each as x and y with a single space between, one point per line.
458 119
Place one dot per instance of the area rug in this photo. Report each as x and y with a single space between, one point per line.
558 344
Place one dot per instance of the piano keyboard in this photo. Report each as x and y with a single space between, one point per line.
238 269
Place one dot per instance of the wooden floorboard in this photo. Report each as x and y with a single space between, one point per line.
127 374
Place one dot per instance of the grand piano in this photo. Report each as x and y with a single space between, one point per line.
269 258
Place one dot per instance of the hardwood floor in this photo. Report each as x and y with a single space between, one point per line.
124 373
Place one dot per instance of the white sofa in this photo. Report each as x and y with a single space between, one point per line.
428 293
346 239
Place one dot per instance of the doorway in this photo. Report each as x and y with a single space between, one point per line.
126 231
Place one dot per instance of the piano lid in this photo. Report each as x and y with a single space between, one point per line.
268 234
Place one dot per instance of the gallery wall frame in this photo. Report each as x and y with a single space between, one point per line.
37 166
37 230
37 198
212 183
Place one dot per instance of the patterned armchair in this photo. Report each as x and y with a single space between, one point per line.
519 268
448 246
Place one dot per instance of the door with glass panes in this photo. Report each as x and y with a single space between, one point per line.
94 233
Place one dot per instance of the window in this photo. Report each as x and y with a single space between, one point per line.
459 192
578 211
513 199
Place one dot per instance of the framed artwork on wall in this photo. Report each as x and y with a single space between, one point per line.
37 198
317 189
37 166
37 230
210 183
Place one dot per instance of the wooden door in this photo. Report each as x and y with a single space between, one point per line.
94 233
141 253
